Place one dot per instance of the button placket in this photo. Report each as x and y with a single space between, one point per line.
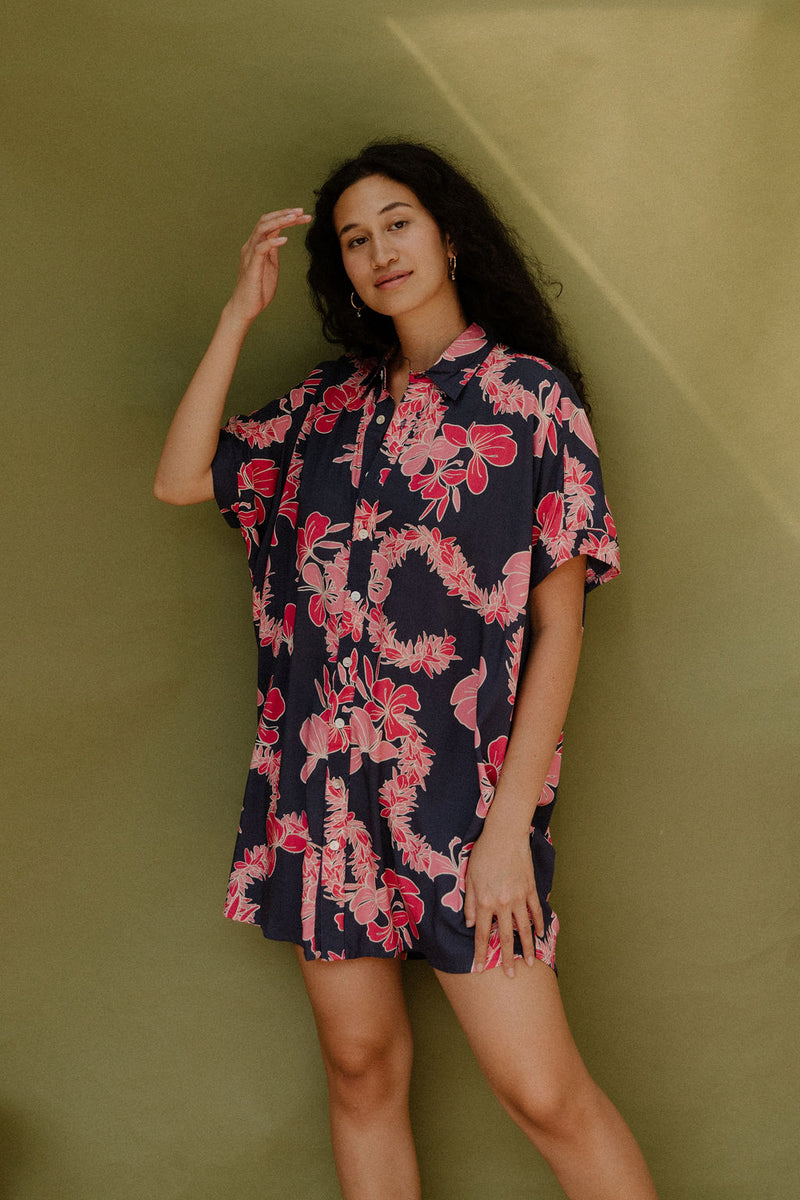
360 550
358 571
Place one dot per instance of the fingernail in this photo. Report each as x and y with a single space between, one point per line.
530 960
510 972
479 968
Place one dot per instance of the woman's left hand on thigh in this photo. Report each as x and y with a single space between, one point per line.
500 885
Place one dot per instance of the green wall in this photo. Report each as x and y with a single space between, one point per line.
648 152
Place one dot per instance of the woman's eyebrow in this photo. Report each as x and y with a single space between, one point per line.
387 208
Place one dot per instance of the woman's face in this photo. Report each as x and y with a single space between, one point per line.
392 249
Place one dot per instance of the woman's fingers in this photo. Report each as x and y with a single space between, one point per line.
505 930
266 244
288 215
271 224
267 231
523 923
525 918
536 915
469 905
483 928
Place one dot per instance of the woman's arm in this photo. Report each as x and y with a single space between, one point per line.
500 881
184 469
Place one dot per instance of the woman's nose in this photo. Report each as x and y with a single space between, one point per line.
383 252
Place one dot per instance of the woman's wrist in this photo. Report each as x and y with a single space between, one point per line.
232 321
509 822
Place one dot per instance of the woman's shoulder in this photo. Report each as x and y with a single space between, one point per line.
346 368
530 369
526 383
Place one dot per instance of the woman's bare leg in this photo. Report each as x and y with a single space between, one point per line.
519 1033
365 1037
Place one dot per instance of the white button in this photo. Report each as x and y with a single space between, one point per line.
339 722
362 533
334 845
355 595
380 419
347 662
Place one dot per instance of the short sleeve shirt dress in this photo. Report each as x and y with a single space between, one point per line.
392 552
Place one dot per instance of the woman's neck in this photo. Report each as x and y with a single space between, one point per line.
422 343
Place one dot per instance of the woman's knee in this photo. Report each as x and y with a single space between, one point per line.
367 1068
554 1107
363 1026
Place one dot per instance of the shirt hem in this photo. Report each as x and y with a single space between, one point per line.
544 953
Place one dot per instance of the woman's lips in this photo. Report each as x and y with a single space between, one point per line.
392 281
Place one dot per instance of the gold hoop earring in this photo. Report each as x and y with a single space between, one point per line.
358 307
451 267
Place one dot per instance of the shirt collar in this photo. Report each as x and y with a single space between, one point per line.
456 366
453 371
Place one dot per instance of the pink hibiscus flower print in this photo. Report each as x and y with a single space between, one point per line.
314 734
548 410
488 443
407 905
464 697
557 540
311 538
517 580
348 397
388 707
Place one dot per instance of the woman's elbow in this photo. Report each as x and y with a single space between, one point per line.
162 490
170 492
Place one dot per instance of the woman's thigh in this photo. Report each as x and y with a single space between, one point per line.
360 1012
519 1034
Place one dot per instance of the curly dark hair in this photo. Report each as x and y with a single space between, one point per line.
499 286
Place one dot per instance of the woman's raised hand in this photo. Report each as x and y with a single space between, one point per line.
184 473
259 266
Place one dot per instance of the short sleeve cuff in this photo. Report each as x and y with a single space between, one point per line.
224 470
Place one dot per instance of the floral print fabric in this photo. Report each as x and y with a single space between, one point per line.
392 552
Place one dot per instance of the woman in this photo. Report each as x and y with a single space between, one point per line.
423 517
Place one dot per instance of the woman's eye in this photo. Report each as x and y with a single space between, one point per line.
356 241
398 224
